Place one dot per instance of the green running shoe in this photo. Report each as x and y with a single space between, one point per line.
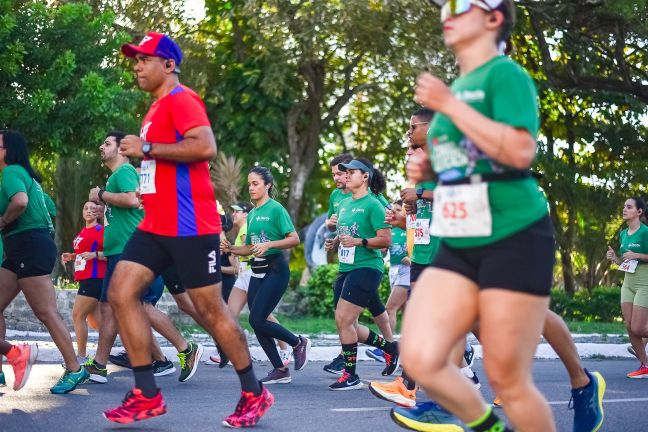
96 373
189 361
3 382
70 380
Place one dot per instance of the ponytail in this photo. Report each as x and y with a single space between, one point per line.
377 182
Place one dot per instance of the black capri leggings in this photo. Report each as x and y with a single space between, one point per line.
264 295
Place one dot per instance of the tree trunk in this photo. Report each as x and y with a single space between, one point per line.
564 238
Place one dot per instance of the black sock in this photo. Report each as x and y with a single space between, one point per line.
350 353
145 380
99 365
379 342
489 422
409 382
188 350
249 381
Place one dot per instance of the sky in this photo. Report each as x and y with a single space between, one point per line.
196 8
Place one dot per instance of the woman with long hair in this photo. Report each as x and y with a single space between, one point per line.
30 251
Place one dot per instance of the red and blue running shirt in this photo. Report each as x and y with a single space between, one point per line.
183 203
89 240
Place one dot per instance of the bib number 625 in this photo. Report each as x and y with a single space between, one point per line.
455 210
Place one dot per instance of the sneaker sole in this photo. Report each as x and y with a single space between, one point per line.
644 376
127 420
99 379
397 399
379 359
286 380
308 348
33 353
601 387
358 386
408 423
165 372
334 372
199 351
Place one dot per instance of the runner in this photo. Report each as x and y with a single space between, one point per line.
376 307
269 231
399 270
634 292
238 297
496 264
362 232
89 270
181 227
30 251
21 358
122 214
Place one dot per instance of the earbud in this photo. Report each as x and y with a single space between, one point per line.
167 64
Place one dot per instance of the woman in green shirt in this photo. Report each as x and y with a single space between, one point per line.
634 292
30 251
362 233
269 232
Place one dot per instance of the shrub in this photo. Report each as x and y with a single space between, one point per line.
602 304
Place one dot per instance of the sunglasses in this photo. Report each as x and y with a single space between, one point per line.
454 8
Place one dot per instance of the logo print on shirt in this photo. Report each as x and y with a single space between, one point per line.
145 129
76 242
212 262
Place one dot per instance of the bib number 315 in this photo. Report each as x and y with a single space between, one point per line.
462 211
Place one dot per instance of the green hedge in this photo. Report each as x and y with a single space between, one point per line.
317 296
599 305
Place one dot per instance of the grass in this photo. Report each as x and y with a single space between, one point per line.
317 325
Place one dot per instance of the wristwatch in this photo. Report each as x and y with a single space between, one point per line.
146 148
419 193
100 195
365 242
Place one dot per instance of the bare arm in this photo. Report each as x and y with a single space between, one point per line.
17 205
197 145
382 240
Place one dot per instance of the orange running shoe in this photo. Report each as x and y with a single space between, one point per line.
22 364
249 409
642 372
395 392
136 407
497 403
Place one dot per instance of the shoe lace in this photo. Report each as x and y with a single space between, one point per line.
182 358
388 359
345 376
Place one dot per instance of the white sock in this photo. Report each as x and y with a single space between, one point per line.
468 373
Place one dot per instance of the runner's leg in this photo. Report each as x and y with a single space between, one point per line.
83 305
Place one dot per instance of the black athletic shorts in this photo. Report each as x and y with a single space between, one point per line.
360 287
196 258
523 262
30 253
172 281
90 287
416 270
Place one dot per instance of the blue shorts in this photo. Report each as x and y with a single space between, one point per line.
152 295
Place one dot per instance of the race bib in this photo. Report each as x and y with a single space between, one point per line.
422 231
629 266
410 221
462 211
79 263
147 177
346 255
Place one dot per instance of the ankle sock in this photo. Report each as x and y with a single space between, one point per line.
489 422
410 384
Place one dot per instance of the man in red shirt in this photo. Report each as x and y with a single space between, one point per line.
181 227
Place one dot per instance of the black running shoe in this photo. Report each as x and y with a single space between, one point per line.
347 382
163 367
469 355
189 361
392 361
336 366
120 359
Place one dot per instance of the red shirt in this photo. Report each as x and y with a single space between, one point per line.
89 240
183 203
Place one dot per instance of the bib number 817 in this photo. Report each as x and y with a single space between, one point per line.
455 210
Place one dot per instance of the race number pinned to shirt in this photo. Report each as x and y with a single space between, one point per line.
422 231
79 263
462 211
346 255
629 266
410 221
147 177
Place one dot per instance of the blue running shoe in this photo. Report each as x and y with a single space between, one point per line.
376 354
70 380
3 382
426 417
587 403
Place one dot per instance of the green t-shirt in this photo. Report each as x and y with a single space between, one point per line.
636 242
119 222
503 91
337 196
424 253
362 218
15 179
270 222
398 248
49 203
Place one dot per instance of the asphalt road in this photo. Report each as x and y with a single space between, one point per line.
304 405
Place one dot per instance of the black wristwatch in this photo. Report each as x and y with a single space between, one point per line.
146 148
100 195
365 242
419 193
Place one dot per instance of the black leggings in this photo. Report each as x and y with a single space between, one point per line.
264 295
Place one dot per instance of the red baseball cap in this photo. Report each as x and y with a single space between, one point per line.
155 44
